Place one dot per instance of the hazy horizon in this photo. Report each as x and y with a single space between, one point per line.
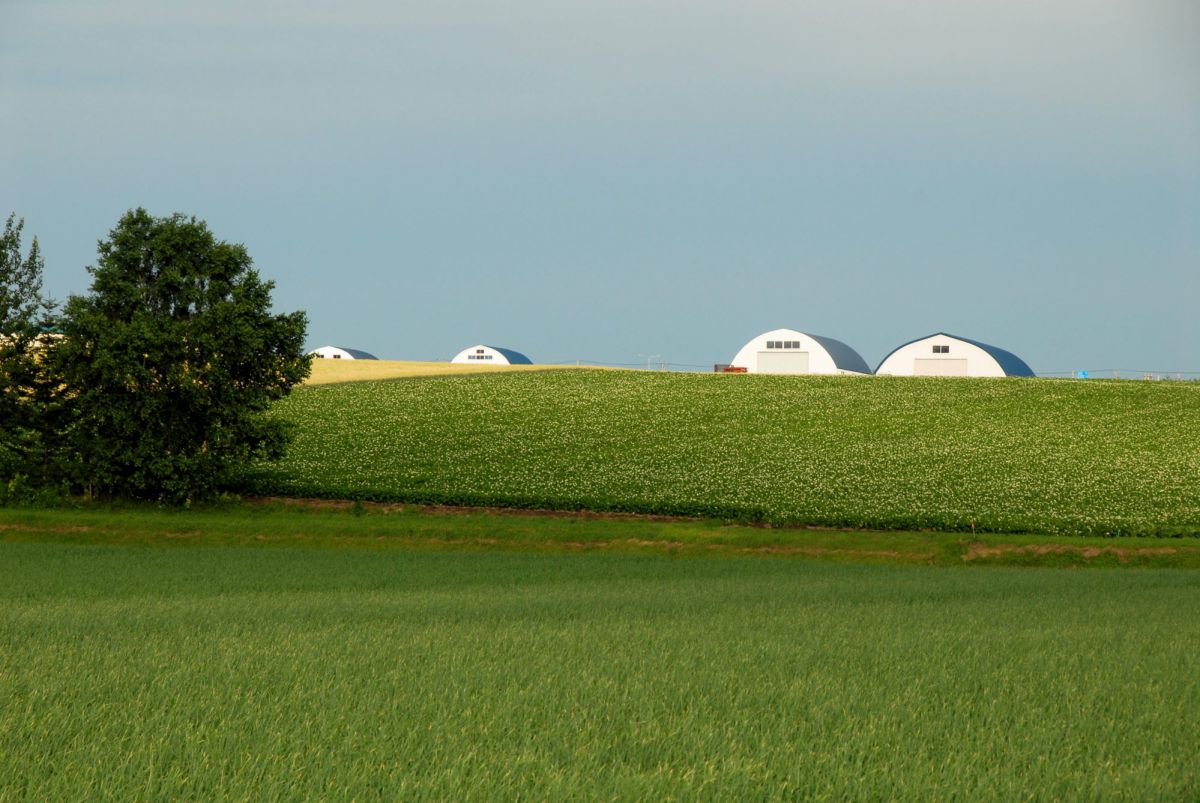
616 181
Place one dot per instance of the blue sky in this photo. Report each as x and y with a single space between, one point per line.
603 180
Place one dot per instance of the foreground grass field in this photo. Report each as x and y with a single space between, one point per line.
874 452
138 672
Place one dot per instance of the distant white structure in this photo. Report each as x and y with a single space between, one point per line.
947 355
490 355
786 351
339 353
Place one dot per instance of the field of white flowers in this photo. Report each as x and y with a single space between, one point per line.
1000 455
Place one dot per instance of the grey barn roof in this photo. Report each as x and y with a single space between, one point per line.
844 357
1010 363
513 357
357 354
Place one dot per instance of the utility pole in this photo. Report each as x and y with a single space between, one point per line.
650 358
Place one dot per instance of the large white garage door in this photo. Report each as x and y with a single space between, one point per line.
931 367
783 362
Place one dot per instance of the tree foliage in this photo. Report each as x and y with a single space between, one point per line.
172 360
22 306
31 408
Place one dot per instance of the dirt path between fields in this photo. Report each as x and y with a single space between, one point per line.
981 551
451 510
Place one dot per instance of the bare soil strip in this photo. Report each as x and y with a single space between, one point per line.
980 551
333 523
460 510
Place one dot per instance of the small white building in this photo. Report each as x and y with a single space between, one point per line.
339 353
947 355
786 351
490 355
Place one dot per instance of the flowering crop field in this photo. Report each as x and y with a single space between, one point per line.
1001 455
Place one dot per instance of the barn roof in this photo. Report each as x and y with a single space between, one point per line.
844 357
357 354
513 357
1010 363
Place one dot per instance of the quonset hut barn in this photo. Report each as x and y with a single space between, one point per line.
948 355
786 351
339 353
491 355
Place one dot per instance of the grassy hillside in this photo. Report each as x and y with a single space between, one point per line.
219 673
1003 455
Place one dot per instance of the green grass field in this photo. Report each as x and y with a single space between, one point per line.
1041 456
132 671
302 651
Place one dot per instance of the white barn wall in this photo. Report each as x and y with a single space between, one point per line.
819 360
903 361
471 355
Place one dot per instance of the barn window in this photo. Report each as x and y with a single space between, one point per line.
941 349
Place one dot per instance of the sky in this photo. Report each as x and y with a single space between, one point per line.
614 181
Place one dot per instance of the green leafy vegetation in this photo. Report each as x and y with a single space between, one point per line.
173 359
1042 456
32 406
129 672
153 385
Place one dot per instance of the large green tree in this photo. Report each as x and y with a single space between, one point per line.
32 412
172 359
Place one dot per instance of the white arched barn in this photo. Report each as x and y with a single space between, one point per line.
947 355
339 353
786 351
491 355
